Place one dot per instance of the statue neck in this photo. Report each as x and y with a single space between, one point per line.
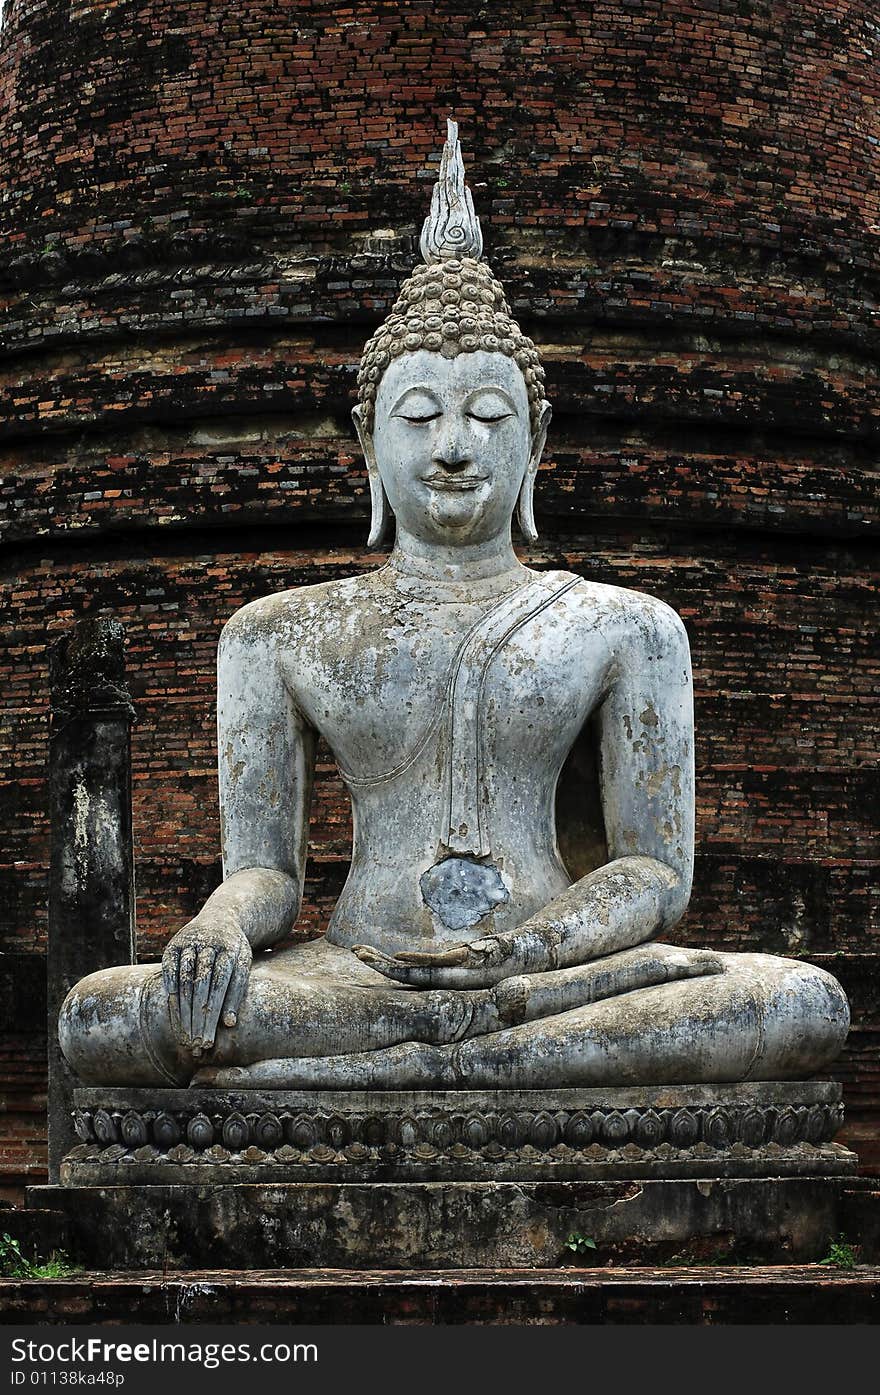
466 562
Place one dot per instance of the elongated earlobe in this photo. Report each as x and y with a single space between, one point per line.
526 506
380 509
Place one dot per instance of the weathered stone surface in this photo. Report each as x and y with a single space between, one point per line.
134 1137
452 685
39 1232
704 1293
91 875
444 1225
461 892
703 283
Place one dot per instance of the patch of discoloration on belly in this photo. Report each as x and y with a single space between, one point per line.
461 891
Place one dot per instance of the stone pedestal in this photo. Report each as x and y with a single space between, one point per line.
446 1180
448 1225
189 1137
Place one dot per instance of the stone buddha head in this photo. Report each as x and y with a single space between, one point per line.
451 416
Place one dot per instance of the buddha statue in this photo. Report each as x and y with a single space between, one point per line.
451 685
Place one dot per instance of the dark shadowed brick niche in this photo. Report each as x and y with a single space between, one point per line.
206 207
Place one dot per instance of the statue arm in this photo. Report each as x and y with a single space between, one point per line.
646 765
266 760
266 757
645 726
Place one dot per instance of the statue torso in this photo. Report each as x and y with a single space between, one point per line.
450 715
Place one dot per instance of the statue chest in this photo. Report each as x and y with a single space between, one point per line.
458 700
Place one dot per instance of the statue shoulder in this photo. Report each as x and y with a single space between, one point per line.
280 616
654 622
628 616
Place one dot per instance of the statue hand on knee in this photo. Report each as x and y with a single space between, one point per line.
205 970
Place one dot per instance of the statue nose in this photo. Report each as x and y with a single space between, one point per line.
450 452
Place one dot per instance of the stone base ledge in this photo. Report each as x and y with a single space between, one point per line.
199 1136
705 1295
448 1225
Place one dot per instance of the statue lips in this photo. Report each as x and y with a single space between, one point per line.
455 483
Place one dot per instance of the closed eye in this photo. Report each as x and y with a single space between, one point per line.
490 417
490 404
417 405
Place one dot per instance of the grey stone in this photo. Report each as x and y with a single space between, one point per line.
461 891
452 685
442 1225
282 1135
91 872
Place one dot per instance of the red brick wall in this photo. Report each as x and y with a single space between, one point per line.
204 209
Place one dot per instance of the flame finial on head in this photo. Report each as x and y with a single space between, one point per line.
451 305
452 228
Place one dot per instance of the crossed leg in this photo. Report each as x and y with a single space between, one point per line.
755 1017
315 1015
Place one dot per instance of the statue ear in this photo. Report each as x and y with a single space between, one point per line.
380 508
526 512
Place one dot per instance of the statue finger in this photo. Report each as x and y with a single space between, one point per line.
201 992
235 992
185 992
269 1074
374 957
220 1076
455 968
440 959
224 966
474 973
415 976
171 982
205 1075
171 970
489 948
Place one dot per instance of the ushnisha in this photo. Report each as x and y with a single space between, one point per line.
451 685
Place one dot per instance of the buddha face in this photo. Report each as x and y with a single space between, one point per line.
452 443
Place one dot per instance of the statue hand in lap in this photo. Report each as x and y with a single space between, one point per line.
477 964
452 685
